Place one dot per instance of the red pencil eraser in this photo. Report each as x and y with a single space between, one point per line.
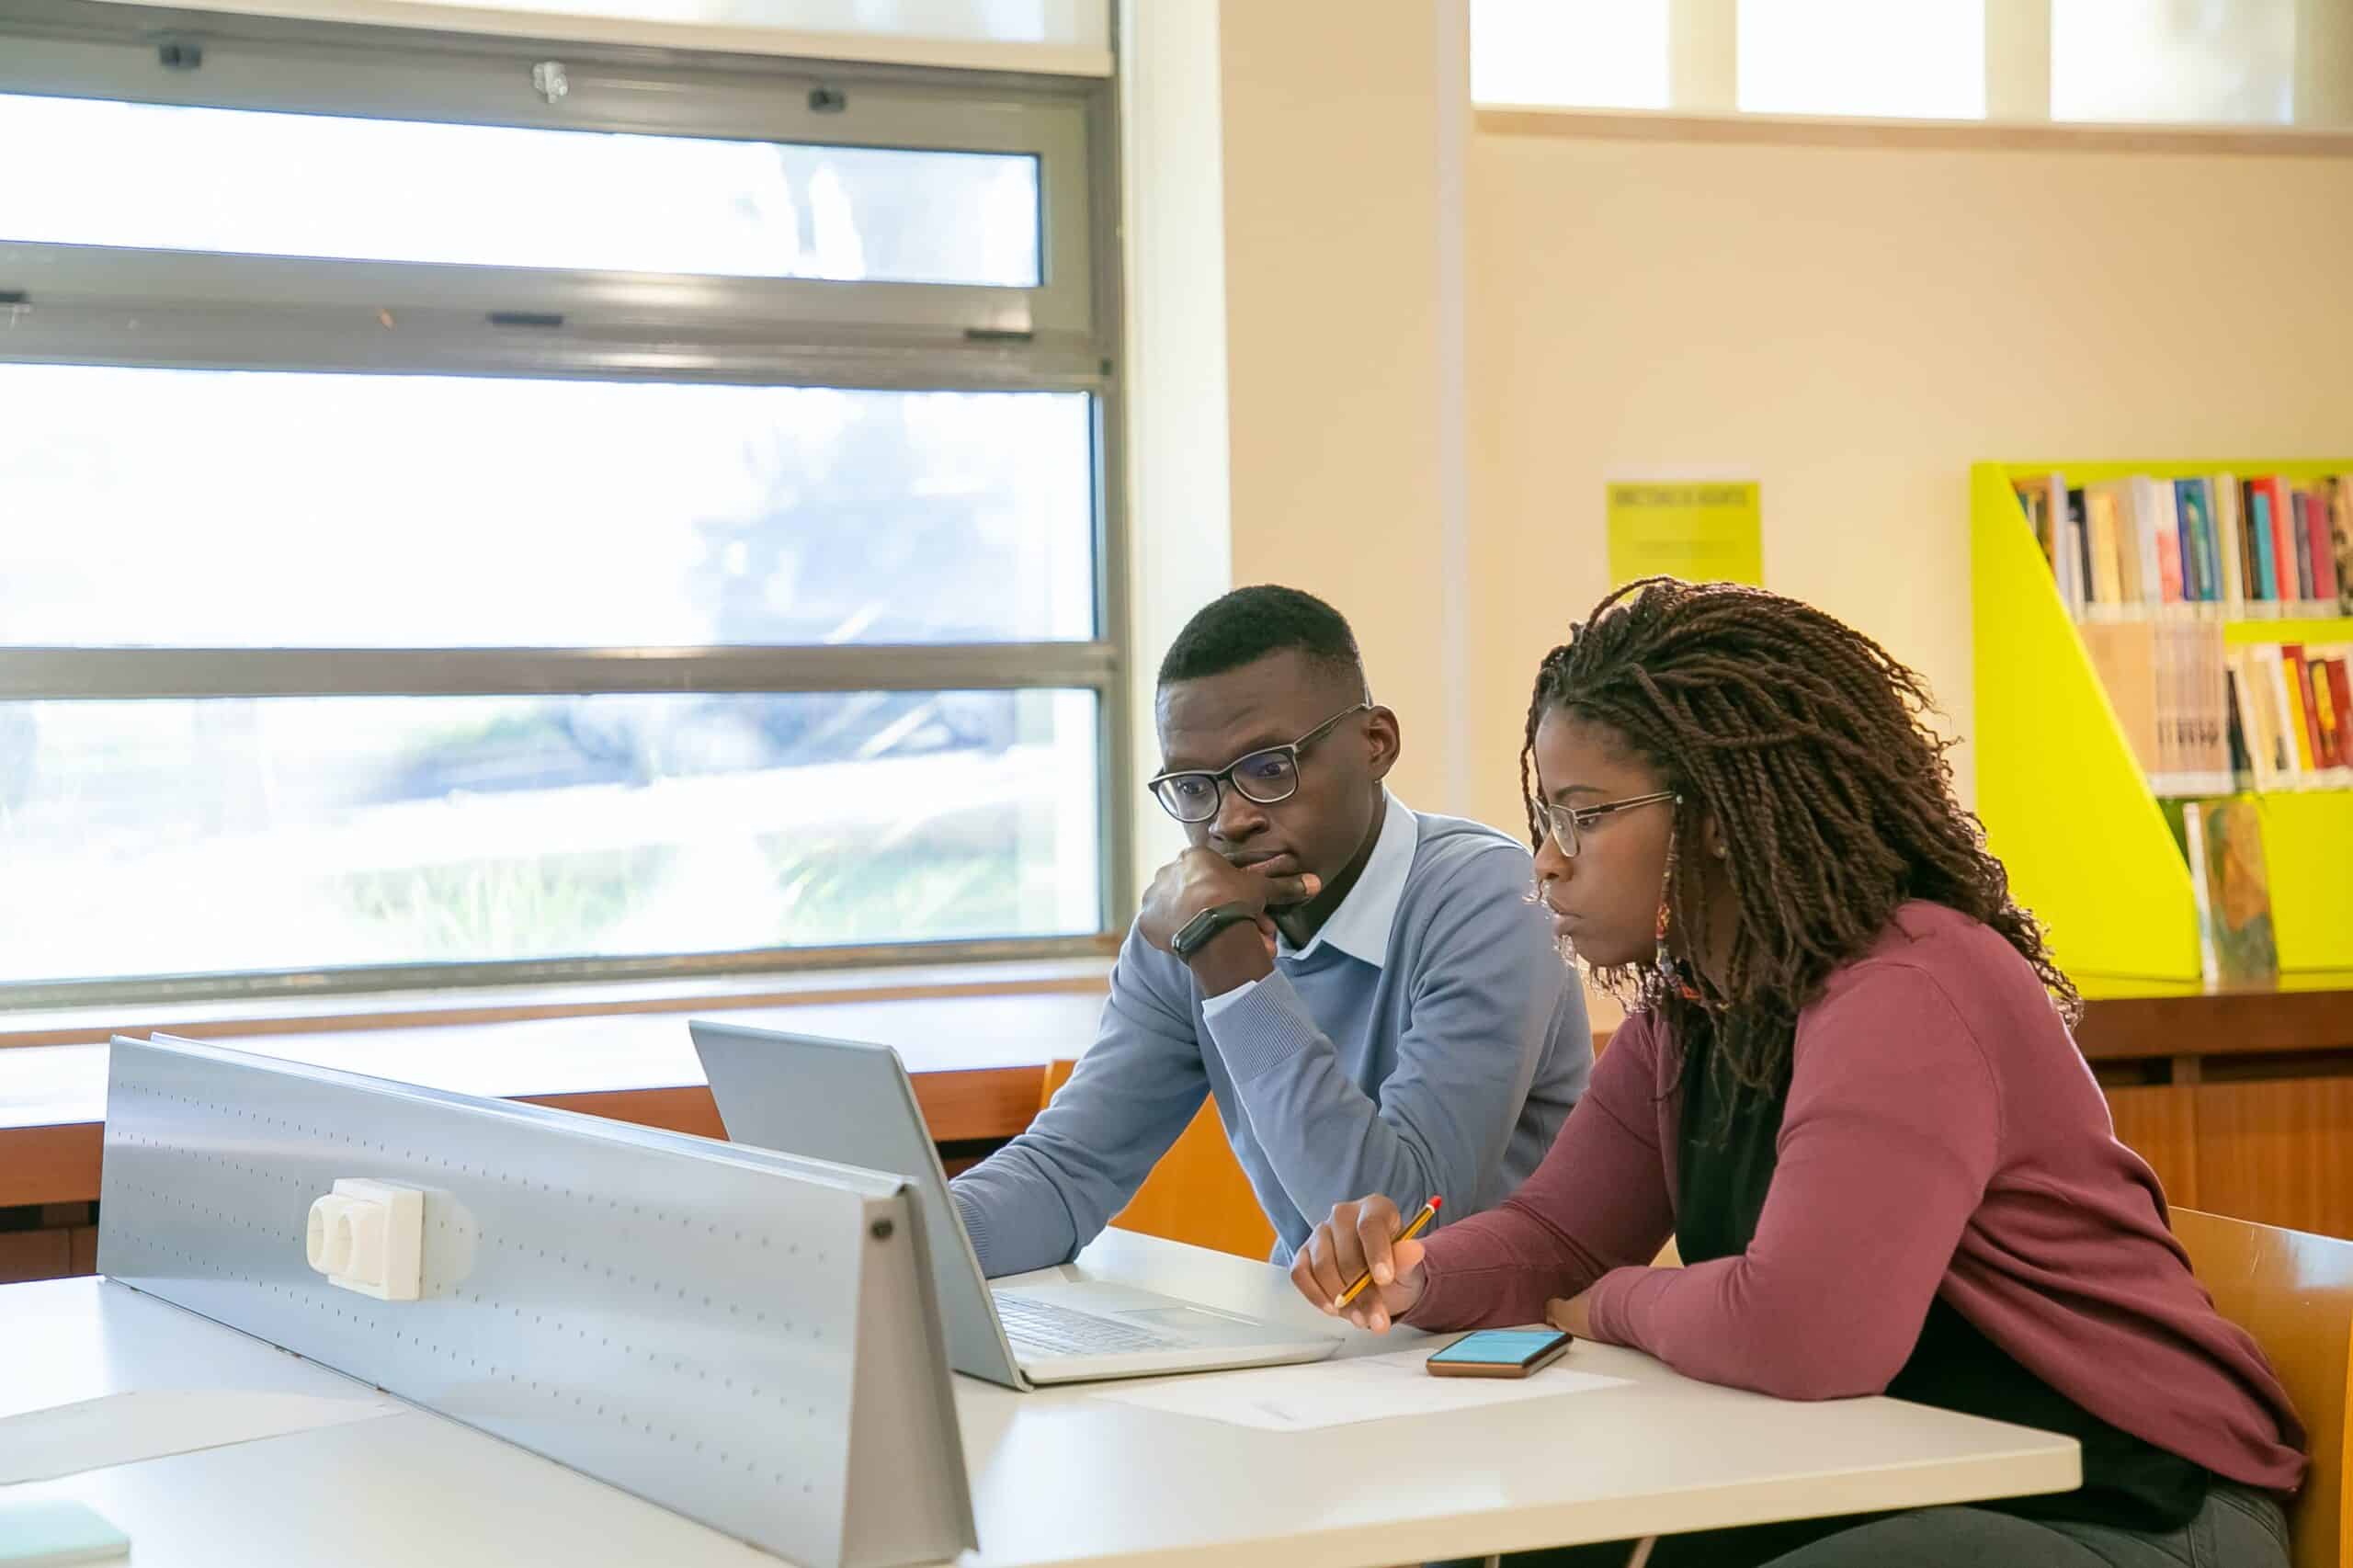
1438 1202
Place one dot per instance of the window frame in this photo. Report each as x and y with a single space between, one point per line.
98 305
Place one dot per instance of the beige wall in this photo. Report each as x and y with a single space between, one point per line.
1334 320
1854 327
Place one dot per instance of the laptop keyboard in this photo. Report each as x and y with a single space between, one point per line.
1043 1329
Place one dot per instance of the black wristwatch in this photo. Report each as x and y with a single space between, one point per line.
1195 934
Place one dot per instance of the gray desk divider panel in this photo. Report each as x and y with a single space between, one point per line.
744 1337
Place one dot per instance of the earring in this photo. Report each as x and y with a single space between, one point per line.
1662 980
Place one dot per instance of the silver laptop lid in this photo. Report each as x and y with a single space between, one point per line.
852 1104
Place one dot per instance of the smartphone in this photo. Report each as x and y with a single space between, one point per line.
1500 1353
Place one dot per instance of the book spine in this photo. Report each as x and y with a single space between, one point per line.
2189 525
2036 509
2262 752
2209 540
2283 545
2291 717
2237 741
2310 757
2160 543
2299 541
2342 526
2214 682
2230 537
2318 506
2328 737
2079 553
2340 686
2266 574
2108 554
2193 836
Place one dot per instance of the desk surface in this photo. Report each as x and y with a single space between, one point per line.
1057 1476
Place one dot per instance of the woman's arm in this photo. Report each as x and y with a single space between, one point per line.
1599 1200
1889 1140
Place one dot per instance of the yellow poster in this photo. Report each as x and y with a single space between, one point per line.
1703 531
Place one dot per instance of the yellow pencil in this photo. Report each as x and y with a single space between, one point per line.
1412 1228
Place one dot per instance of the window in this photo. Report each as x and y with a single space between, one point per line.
2221 61
460 531
2236 62
173 177
1586 53
1922 59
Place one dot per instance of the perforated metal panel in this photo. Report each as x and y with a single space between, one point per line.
704 1326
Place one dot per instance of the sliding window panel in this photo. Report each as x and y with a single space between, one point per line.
226 835
211 508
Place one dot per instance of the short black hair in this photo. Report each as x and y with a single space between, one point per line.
1247 624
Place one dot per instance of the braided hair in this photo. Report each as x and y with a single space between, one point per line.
1805 741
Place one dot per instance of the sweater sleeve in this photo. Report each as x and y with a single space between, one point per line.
1048 1193
1599 1200
1888 1141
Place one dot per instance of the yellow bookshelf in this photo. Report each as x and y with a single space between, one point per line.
2064 802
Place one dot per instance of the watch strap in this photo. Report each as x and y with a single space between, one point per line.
1195 934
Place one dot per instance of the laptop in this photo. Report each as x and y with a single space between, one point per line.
852 1104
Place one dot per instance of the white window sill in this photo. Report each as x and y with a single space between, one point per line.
471 1004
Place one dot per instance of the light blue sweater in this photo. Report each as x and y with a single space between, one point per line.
1440 1056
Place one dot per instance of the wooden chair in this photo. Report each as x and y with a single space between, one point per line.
2293 1292
1196 1193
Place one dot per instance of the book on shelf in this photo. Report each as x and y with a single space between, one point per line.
2224 842
2239 548
2293 706
2168 684
2202 717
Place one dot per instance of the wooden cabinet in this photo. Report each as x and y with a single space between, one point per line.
2278 1151
2242 1102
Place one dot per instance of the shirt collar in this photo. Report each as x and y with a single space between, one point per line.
1360 927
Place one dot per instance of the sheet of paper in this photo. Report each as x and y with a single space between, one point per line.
124 1428
1335 1393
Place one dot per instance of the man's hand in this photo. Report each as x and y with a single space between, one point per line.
1357 1240
1200 879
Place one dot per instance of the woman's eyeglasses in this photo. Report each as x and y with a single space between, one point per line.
1566 822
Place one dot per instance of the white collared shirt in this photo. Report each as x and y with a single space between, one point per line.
1362 926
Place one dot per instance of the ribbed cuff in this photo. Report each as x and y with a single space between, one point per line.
1215 1007
1265 1025
976 1226
1444 1303
1617 1301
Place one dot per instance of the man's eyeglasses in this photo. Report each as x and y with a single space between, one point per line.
1264 777
1566 822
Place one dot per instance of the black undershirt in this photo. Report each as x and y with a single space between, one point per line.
1726 1153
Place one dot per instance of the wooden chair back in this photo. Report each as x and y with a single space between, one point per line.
2293 1292
1196 1193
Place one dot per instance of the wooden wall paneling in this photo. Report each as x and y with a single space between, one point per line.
34 1255
2277 1151
2158 1123
51 1164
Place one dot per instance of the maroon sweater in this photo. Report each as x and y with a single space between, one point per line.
1943 1136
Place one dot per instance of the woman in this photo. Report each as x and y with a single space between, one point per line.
1847 1088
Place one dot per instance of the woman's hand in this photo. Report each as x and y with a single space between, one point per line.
1571 1316
1354 1240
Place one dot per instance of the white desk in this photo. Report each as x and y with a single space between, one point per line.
1057 1477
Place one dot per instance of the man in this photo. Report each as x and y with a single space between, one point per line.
1366 991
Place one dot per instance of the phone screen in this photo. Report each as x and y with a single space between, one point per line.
1501 1346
